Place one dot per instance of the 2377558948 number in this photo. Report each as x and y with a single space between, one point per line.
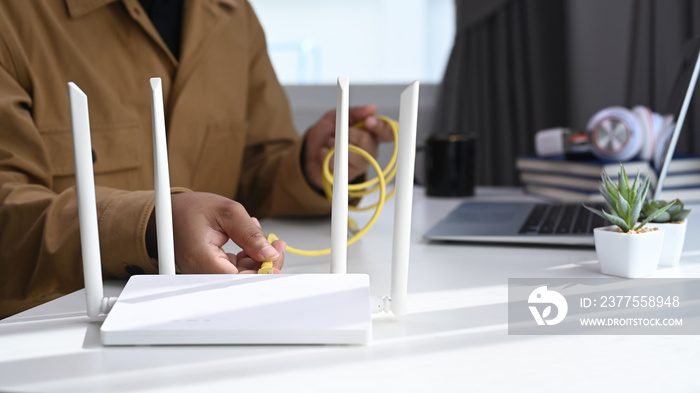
639 301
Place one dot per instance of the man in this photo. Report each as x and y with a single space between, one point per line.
230 136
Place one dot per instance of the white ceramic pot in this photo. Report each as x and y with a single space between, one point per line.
627 255
674 236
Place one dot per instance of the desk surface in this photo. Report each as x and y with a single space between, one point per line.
454 337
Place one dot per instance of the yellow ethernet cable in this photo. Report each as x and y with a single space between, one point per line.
266 267
354 191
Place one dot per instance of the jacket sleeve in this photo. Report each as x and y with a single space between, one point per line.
272 180
40 257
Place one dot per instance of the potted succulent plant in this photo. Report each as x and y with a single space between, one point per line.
626 248
674 222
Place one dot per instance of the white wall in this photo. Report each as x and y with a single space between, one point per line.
369 41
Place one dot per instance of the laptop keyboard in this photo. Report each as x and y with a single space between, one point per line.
562 218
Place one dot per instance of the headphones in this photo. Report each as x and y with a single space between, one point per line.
612 134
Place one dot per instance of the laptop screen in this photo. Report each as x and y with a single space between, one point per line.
678 103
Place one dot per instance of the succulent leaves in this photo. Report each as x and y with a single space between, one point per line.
676 211
625 202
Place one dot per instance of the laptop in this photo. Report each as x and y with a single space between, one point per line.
559 223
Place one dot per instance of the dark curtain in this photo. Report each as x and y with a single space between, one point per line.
665 36
506 78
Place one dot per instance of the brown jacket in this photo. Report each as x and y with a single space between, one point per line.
229 131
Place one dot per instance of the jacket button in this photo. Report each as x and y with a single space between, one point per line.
133 270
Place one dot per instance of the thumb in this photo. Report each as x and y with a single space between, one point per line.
245 232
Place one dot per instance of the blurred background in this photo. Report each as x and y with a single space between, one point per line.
500 69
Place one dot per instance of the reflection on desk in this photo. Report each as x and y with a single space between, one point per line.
454 338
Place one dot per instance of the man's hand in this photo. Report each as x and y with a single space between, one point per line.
203 223
320 138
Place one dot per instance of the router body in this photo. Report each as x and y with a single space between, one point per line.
241 309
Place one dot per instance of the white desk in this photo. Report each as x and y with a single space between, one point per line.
454 338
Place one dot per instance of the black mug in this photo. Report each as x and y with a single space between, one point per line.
449 165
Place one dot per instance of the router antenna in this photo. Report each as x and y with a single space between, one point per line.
339 204
406 158
96 302
164 210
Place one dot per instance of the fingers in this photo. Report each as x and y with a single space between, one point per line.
216 261
320 139
246 264
245 232
280 246
380 129
360 113
367 137
356 114
203 223
197 242
366 141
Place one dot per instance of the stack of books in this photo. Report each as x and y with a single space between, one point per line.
577 180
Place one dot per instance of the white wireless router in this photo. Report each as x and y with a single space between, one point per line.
170 309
